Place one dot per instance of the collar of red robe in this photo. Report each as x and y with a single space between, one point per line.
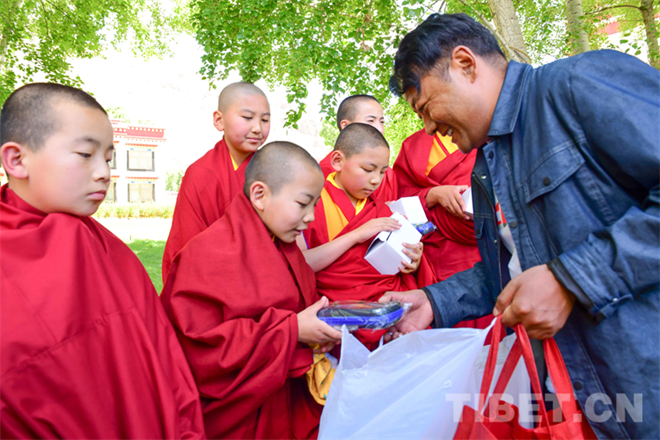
16 212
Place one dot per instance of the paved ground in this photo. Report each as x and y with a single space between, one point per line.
138 229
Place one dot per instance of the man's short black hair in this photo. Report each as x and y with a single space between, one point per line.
356 137
276 164
348 109
430 46
27 116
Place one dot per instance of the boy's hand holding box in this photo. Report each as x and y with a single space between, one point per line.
386 251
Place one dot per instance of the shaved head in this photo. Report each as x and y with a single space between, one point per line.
350 107
29 114
277 164
232 92
354 138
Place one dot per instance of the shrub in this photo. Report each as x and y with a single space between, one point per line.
134 210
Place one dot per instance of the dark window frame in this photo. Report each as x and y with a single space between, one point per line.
153 193
153 161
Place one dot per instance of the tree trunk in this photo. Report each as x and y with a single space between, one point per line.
578 36
508 26
651 32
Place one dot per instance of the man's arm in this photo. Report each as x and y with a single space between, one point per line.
614 264
462 296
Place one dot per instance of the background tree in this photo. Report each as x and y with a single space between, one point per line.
39 37
345 44
173 180
577 34
637 19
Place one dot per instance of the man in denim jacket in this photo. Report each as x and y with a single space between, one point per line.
568 165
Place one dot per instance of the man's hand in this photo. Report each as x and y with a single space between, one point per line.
449 197
414 251
419 317
537 300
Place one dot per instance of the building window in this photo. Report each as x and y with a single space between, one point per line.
140 160
111 195
113 162
141 192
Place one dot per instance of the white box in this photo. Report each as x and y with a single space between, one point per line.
467 198
411 208
386 251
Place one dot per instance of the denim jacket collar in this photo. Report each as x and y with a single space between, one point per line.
508 104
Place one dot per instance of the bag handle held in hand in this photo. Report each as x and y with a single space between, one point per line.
522 347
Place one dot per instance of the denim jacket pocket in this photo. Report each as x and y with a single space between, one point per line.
552 170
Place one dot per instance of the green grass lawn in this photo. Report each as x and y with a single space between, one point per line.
150 253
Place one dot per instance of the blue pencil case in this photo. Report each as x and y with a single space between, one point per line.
362 314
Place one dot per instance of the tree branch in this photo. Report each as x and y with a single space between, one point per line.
596 11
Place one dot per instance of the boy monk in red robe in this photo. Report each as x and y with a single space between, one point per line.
211 183
367 110
348 217
433 168
244 302
86 350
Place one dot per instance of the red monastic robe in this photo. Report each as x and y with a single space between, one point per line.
86 350
351 277
207 188
233 295
453 247
387 191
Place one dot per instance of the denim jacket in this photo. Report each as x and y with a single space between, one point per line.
574 158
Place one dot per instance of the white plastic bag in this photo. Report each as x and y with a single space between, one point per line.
412 388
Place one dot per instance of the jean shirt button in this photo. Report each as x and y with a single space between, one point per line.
513 224
546 181
490 155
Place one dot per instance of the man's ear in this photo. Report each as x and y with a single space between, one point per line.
337 160
218 120
343 123
259 195
464 60
14 160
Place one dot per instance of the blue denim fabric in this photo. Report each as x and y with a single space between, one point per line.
574 158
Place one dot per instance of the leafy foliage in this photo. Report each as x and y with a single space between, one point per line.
118 113
40 36
346 44
628 13
173 180
400 122
134 210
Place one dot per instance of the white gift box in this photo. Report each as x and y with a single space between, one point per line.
386 251
411 208
467 198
